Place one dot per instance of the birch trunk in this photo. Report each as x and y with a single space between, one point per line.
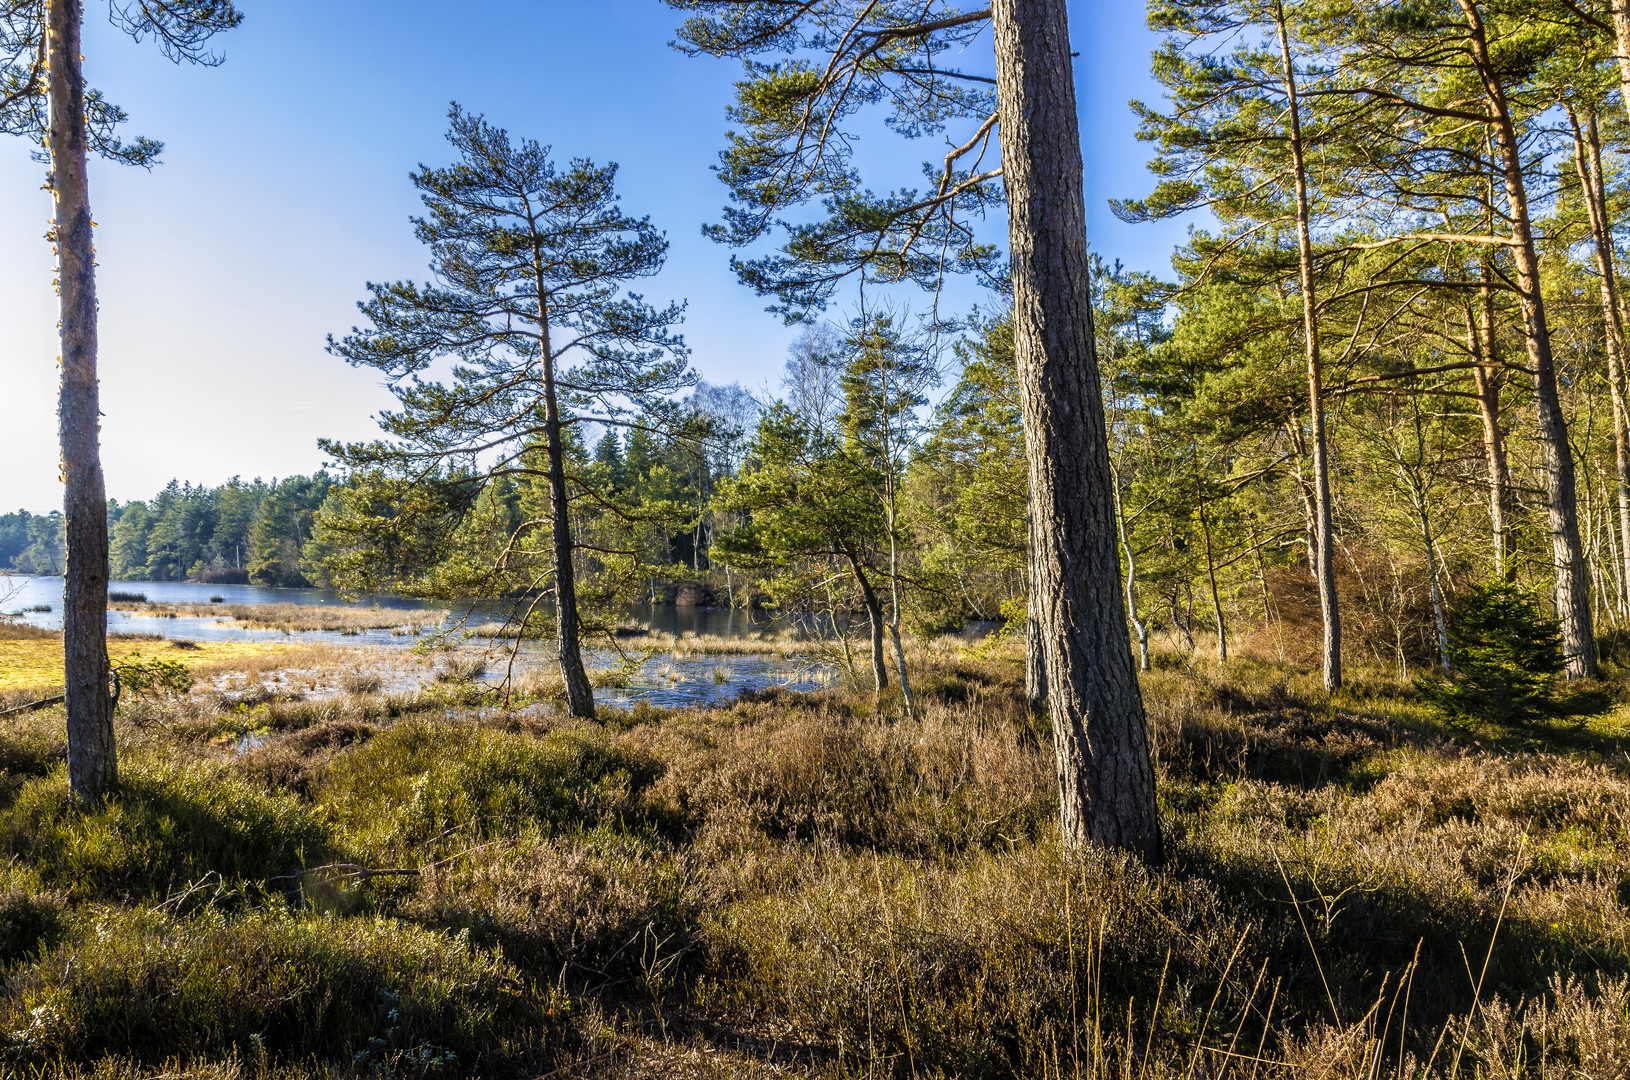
92 755
1216 598
1138 624
1105 776
894 623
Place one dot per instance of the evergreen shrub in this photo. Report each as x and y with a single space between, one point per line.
1507 659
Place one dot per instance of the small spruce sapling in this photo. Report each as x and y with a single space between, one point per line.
1506 656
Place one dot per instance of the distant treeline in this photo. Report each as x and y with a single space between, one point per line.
254 532
237 533
31 543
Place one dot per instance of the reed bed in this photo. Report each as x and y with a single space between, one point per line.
297 617
756 643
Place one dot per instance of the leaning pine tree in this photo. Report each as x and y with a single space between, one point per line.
528 304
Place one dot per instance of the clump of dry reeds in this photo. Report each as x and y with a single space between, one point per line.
14 630
460 668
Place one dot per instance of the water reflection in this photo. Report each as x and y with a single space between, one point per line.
669 681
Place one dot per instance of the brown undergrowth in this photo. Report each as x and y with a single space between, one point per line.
821 885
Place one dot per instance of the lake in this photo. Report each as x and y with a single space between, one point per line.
661 678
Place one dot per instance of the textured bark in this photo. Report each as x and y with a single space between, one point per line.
92 756
1324 563
1035 657
1567 554
1588 160
579 691
1105 777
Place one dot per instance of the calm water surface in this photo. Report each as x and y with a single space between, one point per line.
660 679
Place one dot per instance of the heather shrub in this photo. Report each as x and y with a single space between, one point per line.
422 782
365 990
600 910
167 826
31 917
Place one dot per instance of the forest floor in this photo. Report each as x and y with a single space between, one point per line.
420 882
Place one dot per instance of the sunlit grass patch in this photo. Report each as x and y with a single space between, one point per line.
36 664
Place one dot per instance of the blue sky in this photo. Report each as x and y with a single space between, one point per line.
284 189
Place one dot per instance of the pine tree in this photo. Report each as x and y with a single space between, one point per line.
43 96
793 147
532 260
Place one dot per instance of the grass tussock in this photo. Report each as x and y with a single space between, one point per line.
426 882
367 991
167 829
460 668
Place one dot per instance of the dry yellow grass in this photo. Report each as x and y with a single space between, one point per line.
36 664
294 617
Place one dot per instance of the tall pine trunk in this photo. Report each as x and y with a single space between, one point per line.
1324 562
579 691
1588 160
1567 554
1105 776
92 756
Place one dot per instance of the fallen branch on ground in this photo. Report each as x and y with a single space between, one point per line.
31 706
